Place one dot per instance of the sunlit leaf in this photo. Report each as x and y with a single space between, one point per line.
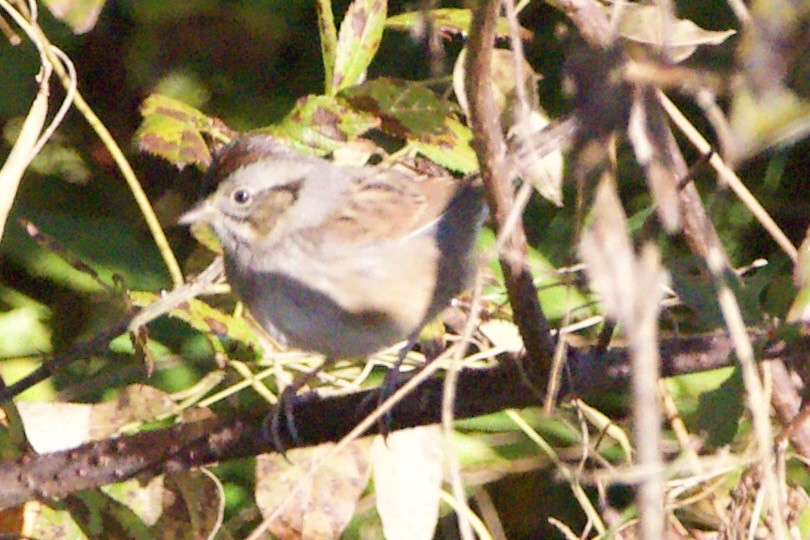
643 24
328 33
720 410
408 110
144 499
206 318
775 118
407 481
451 149
80 15
51 427
174 131
502 334
322 124
358 40
137 402
50 523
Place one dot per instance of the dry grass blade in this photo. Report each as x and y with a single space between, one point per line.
728 176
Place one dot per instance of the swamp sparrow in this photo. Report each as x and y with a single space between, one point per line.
334 259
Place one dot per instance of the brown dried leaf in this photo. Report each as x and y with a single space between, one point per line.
137 402
193 506
651 138
52 427
643 24
309 504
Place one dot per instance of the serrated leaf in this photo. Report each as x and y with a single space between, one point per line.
174 131
408 110
322 124
643 24
358 40
448 21
451 149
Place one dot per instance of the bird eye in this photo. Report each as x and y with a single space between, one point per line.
241 197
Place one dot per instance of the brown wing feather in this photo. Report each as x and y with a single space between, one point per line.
385 204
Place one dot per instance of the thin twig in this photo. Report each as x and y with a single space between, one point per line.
729 177
448 416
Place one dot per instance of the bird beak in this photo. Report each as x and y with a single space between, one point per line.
202 212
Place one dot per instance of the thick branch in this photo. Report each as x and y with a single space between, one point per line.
320 420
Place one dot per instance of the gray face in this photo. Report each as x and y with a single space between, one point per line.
252 201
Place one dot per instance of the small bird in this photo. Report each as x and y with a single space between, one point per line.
338 260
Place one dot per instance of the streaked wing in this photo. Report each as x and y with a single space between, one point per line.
386 204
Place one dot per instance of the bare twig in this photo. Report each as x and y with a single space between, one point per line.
130 323
728 176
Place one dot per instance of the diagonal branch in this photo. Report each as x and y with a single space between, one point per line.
491 150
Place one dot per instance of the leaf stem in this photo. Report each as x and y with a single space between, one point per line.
126 170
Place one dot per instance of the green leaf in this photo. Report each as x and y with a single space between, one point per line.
557 295
174 131
451 149
694 286
777 118
720 411
358 41
408 110
207 319
79 15
447 20
322 124
328 32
